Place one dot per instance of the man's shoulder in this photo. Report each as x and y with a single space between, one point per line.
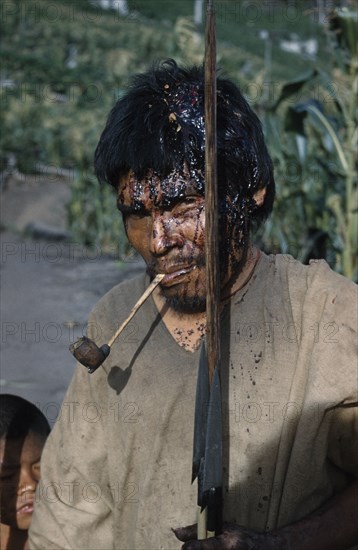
120 297
317 287
316 275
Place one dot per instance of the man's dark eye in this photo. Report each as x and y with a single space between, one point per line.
185 206
132 213
137 215
188 201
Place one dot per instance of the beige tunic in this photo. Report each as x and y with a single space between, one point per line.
116 470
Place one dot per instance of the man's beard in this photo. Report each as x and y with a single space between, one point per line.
186 304
197 303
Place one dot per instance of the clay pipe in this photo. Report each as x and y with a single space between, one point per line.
89 354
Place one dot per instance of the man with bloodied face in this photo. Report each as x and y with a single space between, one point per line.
157 169
289 413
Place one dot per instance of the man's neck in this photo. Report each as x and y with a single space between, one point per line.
189 329
253 256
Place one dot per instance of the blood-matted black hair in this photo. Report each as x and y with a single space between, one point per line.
159 124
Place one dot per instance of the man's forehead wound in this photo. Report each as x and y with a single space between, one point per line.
186 103
161 191
186 117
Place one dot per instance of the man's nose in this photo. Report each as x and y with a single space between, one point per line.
165 233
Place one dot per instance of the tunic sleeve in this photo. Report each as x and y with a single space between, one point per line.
343 438
74 502
339 361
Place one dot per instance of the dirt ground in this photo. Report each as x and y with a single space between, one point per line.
48 287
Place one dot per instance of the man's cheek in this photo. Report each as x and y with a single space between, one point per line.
195 233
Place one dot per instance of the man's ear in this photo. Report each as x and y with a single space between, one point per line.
259 196
122 182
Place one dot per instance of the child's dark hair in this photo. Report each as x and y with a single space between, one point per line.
18 417
159 124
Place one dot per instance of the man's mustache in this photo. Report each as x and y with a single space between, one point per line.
169 265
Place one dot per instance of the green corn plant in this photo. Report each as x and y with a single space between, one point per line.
318 136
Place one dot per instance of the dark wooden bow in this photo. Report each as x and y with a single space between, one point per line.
207 452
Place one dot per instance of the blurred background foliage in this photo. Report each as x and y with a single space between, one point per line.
65 62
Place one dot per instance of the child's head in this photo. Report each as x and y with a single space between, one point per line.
23 432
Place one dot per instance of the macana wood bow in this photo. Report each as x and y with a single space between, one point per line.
207 449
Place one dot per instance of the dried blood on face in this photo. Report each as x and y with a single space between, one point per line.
165 223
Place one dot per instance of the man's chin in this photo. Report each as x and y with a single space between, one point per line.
186 304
